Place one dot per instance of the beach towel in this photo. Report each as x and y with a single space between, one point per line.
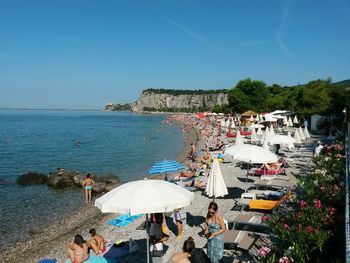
123 220
93 259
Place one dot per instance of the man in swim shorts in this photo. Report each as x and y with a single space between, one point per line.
88 183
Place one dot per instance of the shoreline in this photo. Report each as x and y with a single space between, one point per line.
56 235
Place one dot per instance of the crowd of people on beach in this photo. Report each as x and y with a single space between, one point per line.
211 131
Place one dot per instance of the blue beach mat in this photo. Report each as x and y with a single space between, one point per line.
123 220
94 259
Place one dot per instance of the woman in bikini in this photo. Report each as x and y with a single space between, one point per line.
97 242
87 185
78 250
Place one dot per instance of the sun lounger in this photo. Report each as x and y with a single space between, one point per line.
262 204
243 239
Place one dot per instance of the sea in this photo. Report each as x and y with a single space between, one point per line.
124 144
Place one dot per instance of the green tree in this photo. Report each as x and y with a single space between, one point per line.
249 95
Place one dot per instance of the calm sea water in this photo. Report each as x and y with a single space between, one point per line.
120 143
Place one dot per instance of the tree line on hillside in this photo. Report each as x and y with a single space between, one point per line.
317 96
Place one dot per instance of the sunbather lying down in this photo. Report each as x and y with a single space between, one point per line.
273 166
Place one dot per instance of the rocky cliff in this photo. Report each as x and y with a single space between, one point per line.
168 101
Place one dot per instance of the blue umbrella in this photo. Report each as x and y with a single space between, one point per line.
165 167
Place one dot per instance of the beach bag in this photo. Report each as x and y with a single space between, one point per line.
132 246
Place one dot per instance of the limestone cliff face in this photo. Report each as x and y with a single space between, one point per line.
158 101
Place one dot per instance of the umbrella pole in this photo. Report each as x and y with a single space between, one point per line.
147 239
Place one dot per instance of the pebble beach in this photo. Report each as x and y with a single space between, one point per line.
52 241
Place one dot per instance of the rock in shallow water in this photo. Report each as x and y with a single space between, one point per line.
32 178
60 181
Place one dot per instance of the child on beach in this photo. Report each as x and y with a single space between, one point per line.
88 183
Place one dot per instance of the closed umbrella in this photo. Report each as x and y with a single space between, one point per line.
144 196
289 135
272 132
290 123
253 136
285 121
306 133
297 137
239 139
251 119
301 133
259 132
267 133
295 120
257 117
216 186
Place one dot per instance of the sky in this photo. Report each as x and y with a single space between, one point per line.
85 53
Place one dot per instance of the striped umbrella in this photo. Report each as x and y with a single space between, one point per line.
166 167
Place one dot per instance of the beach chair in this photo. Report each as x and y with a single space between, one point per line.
242 239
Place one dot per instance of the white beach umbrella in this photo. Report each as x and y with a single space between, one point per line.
297 137
261 117
216 186
289 135
285 121
259 132
295 120
290 123
306 133
252 154
144 196
239 139
251 119
281 139
301 133
253 136
272 132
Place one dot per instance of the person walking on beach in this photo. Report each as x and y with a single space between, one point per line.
214 229
178 220
97 242
78 250
88 183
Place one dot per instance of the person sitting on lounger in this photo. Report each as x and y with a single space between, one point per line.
190 254
97 242
78 250
156 229
273 166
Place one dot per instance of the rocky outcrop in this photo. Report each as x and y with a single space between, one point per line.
117 106
158 101
31 178
69 179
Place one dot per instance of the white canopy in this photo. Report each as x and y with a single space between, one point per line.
144 196
252 154
216 186
281 139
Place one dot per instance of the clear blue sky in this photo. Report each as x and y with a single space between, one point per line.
84 53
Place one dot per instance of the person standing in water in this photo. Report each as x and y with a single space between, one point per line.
88 183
